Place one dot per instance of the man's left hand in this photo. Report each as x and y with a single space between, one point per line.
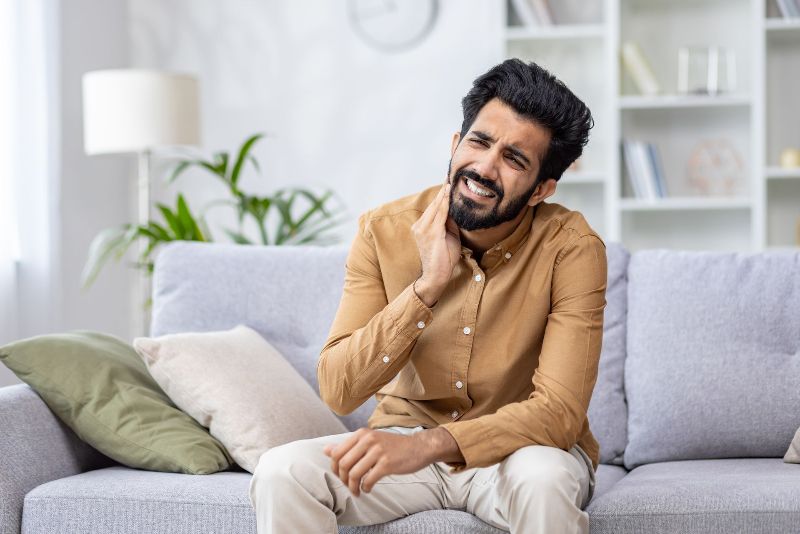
376 453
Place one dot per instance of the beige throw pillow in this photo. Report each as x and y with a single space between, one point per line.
237 385
793 454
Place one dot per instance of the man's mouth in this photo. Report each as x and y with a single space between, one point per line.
477 189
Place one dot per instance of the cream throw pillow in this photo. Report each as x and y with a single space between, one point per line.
793 453
237 385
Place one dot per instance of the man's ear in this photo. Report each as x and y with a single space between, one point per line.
544 190
454 143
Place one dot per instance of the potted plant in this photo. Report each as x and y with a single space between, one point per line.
309 227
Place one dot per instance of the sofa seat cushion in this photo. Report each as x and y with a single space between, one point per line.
122 500
709 496
118 500
606 477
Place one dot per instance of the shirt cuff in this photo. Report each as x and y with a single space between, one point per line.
409 314
474 440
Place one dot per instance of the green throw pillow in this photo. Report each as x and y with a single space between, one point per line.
99 386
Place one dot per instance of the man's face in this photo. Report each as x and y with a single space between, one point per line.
501 155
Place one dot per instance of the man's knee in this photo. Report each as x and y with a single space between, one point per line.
540 469
298 463
279 462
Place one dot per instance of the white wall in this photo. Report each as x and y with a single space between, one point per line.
96 192
372 125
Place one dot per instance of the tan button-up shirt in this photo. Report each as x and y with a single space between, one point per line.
508 355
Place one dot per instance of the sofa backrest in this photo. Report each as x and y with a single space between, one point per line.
713 354
290 295
608 413
287 294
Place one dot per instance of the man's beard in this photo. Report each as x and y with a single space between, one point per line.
471 215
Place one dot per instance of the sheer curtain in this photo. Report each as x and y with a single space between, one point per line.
30 301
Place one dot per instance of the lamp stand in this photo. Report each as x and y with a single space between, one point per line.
143 294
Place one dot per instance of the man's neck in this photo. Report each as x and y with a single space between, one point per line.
479 241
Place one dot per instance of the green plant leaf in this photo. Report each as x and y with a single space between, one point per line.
255 163
211 167
242 156
191 229
221 164
237 237
285 220
179 168
315 227
173 222
160 231
102 247
317 205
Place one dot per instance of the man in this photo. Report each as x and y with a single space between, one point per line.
473 311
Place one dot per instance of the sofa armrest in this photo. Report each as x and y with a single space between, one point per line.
35 447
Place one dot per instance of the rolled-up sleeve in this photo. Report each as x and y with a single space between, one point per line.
555 411
371 338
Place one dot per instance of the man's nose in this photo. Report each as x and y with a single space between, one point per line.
487 166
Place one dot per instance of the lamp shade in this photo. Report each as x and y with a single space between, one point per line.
133 110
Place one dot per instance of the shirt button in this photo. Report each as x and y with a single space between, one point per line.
467 330
421 324
459 384
477 278
386 358
454 414
508 255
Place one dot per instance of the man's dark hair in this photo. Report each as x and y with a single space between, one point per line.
536 94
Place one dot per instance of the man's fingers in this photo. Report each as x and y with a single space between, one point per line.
372 477
353 456
432 208
340 449
359 470
443 208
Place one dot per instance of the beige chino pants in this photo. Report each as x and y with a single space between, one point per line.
536 489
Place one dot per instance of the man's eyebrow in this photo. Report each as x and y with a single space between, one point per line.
513 149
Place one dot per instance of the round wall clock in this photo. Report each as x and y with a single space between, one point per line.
393 25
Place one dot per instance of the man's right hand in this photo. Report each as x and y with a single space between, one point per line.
439 247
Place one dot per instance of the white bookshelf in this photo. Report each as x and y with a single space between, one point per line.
758 118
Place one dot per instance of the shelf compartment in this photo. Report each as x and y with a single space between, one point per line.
782 90
660 28
783 213
678 133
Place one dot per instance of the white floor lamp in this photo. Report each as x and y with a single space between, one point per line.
135 111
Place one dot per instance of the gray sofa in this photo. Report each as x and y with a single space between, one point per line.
697 399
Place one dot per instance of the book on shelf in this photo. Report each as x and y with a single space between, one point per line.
637 66
788 8
533 13
645 171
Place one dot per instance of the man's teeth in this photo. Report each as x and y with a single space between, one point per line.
477 190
